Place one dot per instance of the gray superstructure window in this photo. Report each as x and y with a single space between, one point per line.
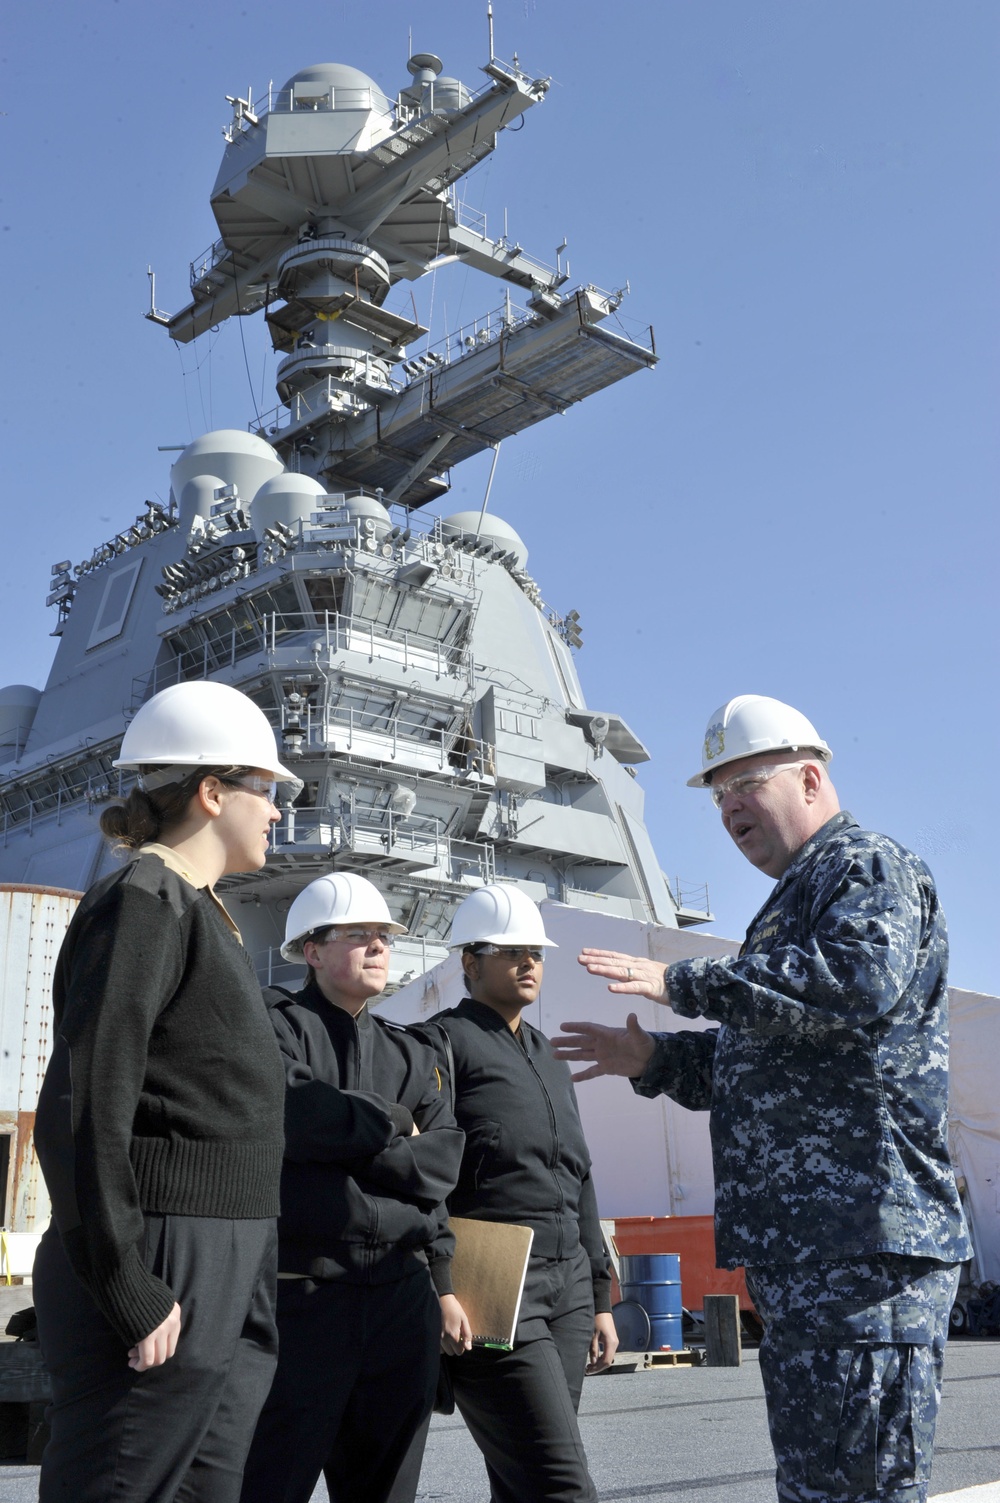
118 591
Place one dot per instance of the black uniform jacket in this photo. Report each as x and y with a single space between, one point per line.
526 1159
362 1199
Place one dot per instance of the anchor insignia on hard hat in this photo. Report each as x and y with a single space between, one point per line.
715 742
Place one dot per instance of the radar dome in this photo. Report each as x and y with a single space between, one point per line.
367 509
335 86
430 90
288 499
466 524
198 497
230 455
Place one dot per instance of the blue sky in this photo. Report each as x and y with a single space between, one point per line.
800 500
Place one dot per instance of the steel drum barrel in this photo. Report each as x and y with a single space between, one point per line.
653 1280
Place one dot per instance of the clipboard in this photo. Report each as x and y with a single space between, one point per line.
488 1273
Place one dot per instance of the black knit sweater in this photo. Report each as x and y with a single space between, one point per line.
164 1092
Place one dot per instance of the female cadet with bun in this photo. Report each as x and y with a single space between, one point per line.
525 1162
159 1129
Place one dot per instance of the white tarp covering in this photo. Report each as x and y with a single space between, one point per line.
651 1158
975 1120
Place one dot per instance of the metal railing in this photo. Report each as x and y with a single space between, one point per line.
340 829
330 394
364 97
386 736
280 632
692 896
22 806
465 214
416 841
206 261
327 396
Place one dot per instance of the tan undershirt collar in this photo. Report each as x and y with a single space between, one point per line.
191 875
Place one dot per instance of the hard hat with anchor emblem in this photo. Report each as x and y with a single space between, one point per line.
750 725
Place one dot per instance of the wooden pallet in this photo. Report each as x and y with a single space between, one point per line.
685 1357
649 1361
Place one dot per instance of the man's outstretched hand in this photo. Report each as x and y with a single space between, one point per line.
614 1051
632 975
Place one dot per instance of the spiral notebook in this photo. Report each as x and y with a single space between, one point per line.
488 1272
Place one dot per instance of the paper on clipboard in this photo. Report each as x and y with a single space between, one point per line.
488 1273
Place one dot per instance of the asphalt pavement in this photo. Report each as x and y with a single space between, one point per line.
698 1433
701 1433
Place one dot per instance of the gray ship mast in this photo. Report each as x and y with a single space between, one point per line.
408 662
328 196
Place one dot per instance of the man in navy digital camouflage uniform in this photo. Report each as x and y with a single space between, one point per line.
827 1084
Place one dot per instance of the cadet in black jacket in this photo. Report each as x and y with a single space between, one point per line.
372 1150
159 1129
526 1162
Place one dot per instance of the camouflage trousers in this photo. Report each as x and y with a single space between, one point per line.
851 1359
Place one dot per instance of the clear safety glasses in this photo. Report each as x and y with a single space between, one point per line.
266 787
354 937
509 952
742 783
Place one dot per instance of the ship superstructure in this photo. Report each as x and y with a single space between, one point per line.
407 661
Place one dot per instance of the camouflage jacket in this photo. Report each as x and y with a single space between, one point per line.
828 1080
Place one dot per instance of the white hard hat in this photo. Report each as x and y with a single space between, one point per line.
752 724
336 898
203 724
498 915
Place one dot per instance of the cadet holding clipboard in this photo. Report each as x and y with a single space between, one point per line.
525 1164
488 1271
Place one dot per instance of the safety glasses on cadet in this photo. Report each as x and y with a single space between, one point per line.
509 952
353 937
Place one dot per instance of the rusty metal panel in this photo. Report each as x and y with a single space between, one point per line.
33 921
27 1198
15 948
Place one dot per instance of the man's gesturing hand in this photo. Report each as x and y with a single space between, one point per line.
615 1051
630 974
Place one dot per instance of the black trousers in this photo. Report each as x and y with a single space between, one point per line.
177 1433
355 1382
521 1406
